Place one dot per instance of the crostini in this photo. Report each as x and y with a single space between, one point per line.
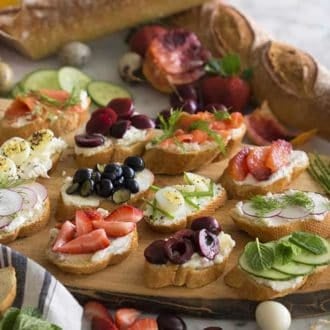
189 141
30 158
95 240
113 133
24 210
104 185
174 207
8 288
192 257
259 170
273 216
277 268
57 110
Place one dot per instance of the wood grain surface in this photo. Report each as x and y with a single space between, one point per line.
122 285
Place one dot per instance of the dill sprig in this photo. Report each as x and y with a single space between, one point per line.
168 125
264 204
298 198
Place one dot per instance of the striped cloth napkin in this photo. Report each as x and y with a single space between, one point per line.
39 289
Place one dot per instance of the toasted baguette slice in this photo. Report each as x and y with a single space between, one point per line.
276 183
158 276
112 151
164 224
68 204
84 263
64 124
275 227
29 227
8 286
248 288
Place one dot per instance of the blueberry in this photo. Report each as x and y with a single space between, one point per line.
132 185
135 162
115 169
96 176
82 175
119 182
104 188
110 176
128 172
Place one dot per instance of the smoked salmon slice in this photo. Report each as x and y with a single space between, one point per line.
279 155
237 166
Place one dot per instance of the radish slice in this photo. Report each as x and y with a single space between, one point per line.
38 188
29 197
4 221
294 212
10 202
248 209
321 204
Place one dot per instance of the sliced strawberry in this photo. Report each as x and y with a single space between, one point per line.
88 243
144 324
126 213
83 223
141 39
256 162
125 317
65 234
115 228
237 166
101 121
103 324
101 318
93 214
279 155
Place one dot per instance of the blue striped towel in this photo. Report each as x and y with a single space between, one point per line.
39 289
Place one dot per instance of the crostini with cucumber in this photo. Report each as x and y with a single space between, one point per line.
175 207
189 141
277 268
259 170
273 216
105 185
192 257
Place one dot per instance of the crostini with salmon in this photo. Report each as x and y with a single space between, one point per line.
57 110
95 239
189 141
259 170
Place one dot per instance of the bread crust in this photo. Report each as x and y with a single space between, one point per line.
8 287
246 191
265 233
159 276
101 157
88 266
209 209
29 228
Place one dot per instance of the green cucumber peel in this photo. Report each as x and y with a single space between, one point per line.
310 242
259 256
154 187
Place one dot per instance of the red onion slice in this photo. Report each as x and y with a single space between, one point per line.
10 202
29 196
252 212
4 222
38 188
294 212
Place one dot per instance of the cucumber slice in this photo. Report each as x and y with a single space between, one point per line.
294 268
312 259
70 78
39 79
102 92
16 90
269 274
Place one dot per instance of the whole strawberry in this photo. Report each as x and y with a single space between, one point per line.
226 84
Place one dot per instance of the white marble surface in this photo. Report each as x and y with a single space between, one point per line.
303 23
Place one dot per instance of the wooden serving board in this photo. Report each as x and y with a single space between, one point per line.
122 285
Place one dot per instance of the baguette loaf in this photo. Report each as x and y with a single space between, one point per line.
8 286
84 263
41 27
296 87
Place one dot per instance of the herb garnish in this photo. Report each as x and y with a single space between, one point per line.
156 208
259 256
222 115
168 125
284 251
310 242
264 204
298 198
204 126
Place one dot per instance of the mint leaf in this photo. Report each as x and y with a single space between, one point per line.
259 256
284 251
214 66
8 320
227 66
310 242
